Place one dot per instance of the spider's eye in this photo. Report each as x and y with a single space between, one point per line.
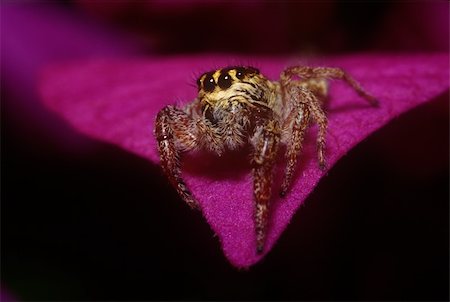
240 73
208 83
224 81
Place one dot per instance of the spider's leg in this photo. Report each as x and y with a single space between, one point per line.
265 142
175 131
321 119
305 104
299 121
305 72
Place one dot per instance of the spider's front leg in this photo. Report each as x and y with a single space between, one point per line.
305 104
265 142
175 132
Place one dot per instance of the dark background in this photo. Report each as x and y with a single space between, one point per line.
84 220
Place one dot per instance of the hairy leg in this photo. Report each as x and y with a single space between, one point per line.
321 119
305 104
265 142
305 73
300 123
175 131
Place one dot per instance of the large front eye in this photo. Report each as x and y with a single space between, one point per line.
224 81
208 83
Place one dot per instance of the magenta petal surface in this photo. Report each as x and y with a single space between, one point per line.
117 101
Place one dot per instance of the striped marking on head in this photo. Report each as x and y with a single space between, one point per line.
222 79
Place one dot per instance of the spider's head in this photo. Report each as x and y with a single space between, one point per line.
222 79
232 85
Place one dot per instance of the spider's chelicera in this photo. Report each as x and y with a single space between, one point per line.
238 106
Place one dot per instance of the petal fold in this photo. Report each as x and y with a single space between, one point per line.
117 102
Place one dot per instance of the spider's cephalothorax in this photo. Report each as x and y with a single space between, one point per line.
233 101
237 106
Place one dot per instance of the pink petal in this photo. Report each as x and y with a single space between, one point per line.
117 101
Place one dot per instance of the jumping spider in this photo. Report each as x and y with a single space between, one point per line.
237 106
